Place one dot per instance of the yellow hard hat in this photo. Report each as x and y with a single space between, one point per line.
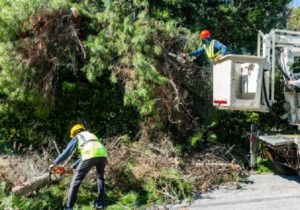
75 128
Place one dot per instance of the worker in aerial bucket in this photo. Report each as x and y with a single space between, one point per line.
93 153
213 49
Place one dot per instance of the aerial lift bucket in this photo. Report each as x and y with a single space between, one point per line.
238 83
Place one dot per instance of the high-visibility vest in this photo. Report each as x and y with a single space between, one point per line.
210 51
90 146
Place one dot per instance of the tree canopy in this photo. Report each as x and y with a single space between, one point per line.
50 59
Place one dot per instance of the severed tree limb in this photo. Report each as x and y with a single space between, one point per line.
35 183
32 185
177 95
82 48
233 166
56 147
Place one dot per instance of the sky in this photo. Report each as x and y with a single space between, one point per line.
295 3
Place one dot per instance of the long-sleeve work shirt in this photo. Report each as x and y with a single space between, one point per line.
71 147
217 46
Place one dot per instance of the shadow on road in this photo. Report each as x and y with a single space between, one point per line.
295 178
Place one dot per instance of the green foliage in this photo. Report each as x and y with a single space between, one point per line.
128 42
195 138
131 37
14 12
42 202
235 23
15 76
182 188
264 165
15 130
125 139
5 201
179 149
294 20
128 201
53 197
148 191
232 126
153 196
68 86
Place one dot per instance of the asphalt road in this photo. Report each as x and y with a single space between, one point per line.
261 192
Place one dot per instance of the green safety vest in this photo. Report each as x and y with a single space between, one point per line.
210 51
90 146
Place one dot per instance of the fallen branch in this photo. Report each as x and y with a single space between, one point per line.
32 185
56 147
233 166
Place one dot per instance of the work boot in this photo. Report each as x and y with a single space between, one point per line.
99 204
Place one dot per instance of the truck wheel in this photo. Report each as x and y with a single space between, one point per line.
284 170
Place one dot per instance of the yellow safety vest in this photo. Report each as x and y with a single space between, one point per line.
90 146
210 51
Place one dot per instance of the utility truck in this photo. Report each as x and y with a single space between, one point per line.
247 83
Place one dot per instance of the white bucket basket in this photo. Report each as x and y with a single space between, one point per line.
237 83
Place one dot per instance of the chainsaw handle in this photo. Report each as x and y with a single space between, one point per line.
50 172
61 170
49 176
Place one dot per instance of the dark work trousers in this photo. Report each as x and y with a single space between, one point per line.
82 169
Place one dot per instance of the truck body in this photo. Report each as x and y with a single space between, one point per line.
247 83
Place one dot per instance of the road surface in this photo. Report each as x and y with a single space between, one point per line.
261 192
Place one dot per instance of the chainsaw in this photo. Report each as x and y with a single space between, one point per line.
59 171
179 57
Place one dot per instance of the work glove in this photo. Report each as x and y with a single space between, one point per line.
218 58
184 55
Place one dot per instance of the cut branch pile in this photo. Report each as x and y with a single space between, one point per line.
150 160
212 167
186 98
131 165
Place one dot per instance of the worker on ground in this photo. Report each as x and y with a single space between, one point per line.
214 49
93 153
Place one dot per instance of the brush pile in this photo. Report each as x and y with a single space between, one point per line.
175 176
50 44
